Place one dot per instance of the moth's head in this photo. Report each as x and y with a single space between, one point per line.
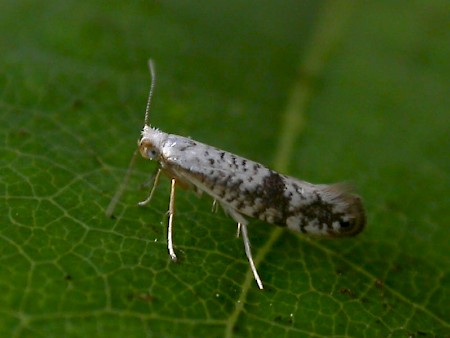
151 143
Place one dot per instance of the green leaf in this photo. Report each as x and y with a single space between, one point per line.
324 91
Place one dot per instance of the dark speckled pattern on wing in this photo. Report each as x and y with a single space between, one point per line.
254 190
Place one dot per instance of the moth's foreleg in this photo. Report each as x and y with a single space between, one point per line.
152 191
171 213
248 251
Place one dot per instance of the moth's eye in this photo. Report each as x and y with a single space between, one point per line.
151 153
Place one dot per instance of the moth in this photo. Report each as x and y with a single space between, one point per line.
244 188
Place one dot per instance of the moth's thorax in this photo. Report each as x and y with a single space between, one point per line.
151 142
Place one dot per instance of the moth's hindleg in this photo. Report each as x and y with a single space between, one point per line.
152 191
248 251
242 226
171 213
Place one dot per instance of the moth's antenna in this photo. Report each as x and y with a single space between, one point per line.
150 94
112 204
119 192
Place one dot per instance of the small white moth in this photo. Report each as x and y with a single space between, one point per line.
245 188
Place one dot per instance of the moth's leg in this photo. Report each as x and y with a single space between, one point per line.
248 251
152 191
238 230
171 213
242 225
215 206
237 217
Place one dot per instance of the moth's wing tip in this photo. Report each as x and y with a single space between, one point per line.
359 214
345 192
